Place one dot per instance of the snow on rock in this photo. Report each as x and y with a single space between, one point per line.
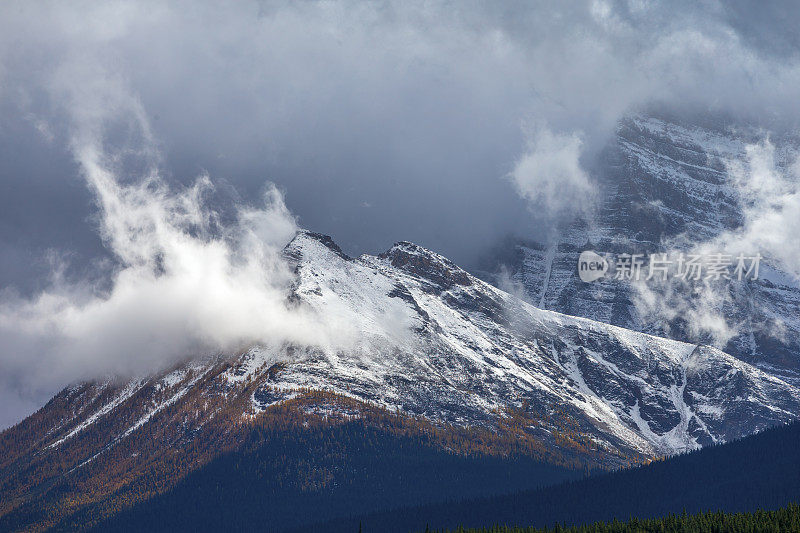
429 339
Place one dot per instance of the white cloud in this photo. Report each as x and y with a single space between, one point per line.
770 196
549 174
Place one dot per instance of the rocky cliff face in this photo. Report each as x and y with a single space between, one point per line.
665 183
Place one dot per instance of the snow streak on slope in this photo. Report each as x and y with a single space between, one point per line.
129 390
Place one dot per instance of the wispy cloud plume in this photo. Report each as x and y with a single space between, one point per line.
184 281
550 177
767 189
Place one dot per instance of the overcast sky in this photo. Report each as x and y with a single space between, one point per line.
451 124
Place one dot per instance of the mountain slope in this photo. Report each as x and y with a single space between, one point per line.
289 469
432 345
758 472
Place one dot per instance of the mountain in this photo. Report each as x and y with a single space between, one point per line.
760 472
289 469
438 356
665 184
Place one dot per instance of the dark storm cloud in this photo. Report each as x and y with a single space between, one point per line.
449 124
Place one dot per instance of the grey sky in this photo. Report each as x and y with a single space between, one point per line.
379 121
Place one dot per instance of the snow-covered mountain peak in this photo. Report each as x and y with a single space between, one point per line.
439 343
424 263
307 242
431 341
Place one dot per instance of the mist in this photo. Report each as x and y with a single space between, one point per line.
767 184
150 150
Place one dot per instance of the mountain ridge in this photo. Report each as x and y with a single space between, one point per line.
435 345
